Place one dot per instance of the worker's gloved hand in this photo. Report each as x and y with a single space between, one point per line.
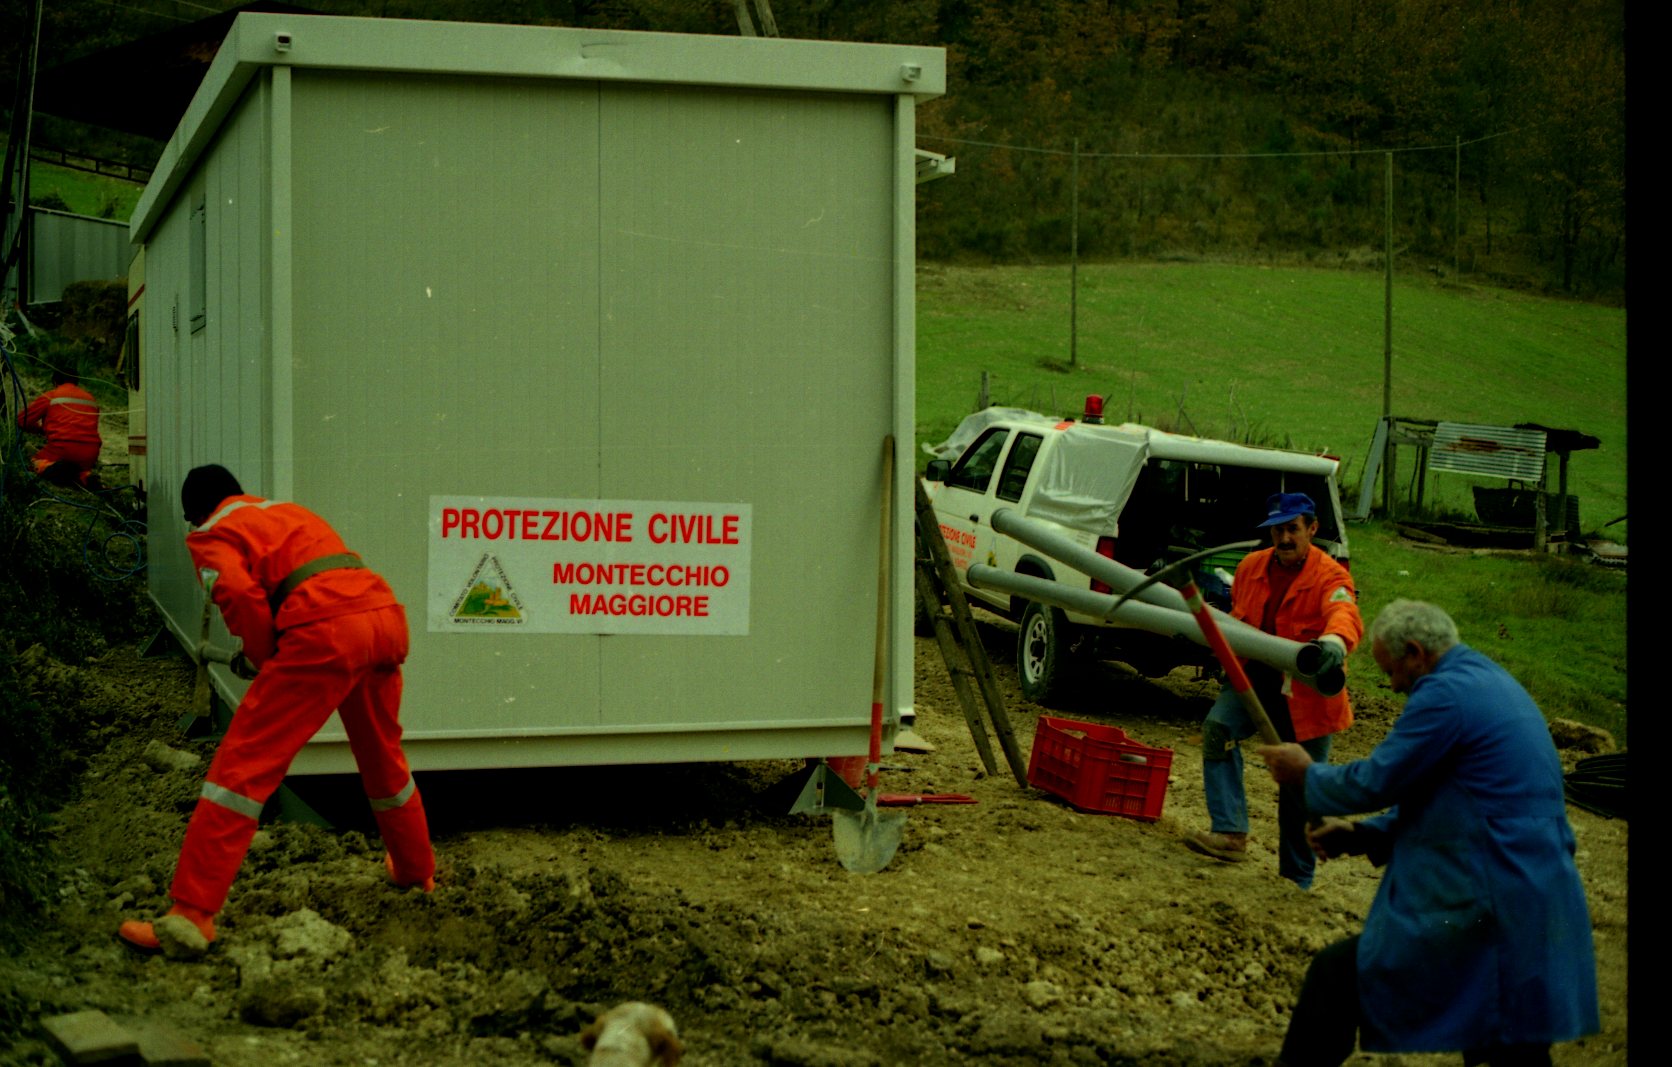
241 666
1331 653
1322 661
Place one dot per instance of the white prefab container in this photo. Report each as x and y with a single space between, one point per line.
587 341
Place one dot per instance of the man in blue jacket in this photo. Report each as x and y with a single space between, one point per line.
1479 939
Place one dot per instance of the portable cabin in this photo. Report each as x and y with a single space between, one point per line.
588 341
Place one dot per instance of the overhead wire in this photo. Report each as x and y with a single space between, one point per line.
1217 155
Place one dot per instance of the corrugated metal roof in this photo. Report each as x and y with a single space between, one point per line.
1494 451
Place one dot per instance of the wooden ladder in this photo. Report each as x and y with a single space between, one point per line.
942 599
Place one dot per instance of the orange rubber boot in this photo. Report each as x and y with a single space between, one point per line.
427 885
143 935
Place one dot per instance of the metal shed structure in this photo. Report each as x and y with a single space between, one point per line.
65 248
588 341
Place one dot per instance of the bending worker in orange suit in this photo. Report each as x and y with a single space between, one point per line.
326 634
68 416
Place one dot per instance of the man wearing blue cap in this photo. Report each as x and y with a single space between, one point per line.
1294 590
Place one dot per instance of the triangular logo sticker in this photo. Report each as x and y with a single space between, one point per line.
487 596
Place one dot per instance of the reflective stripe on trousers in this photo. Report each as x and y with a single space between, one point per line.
233 802
386 803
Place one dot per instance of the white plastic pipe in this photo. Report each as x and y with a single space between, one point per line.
1152 609
1117 576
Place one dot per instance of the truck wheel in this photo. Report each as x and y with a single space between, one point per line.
1041 650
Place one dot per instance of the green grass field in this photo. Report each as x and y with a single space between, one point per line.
1279 355
86 194
1294 356
1556 623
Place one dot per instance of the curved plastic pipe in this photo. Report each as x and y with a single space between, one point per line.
1292 657
1125 580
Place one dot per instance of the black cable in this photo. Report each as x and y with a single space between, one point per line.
105 567
11 384
1598 784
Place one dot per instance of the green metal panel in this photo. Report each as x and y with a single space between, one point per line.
207 391
444 235
278 295
566 266
169 572
903 260
747 268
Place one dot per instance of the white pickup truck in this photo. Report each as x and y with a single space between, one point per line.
1137 495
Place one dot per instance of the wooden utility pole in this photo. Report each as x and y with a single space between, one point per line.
746 25
1387 332
1074 260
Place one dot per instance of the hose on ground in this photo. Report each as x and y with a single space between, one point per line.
1597 784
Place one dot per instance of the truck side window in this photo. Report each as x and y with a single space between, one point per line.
1017 465
975 468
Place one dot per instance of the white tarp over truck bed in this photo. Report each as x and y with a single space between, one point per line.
1085 481
1087 478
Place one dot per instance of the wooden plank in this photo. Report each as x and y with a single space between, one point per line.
929 534
89 1037
927 594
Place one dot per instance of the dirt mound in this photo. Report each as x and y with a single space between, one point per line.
1013 931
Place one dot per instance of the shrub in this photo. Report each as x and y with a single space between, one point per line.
52 612
96 316
25 782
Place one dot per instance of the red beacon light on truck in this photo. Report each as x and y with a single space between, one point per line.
1094 410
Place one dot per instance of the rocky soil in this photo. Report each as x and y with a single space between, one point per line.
1012 931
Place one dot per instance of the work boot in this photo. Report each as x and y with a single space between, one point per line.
427 885
143 935
1232 848
62 472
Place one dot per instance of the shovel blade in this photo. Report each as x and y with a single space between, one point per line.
866 841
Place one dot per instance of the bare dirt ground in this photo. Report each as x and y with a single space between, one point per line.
1012 931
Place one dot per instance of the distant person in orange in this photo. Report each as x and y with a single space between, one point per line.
326 634
68 416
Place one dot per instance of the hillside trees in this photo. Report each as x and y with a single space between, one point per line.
1240 127
1522 101
1574 108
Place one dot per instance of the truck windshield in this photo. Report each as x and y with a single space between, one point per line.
975 469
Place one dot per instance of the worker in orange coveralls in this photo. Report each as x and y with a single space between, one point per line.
326 634
68 416
1295 590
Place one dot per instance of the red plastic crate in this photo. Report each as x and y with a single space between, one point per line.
1098 768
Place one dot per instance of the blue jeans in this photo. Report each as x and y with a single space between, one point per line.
1222 781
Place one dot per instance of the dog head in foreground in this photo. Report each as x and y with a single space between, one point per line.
634 1034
